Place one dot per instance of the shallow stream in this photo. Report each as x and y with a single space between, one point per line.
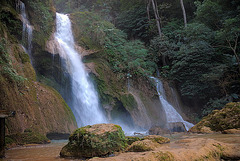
50 152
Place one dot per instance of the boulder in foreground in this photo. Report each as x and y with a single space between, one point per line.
94 141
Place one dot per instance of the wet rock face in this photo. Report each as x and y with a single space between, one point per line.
220 120
156 130
177 127
93 141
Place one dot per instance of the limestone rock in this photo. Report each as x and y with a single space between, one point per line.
93 141
156 138
232 131
141 146
177 127
156 130
220 120
203 130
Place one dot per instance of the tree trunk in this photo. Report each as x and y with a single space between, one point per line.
184 13
155 9
148 10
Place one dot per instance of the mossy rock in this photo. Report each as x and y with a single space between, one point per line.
220 120
28 137
142 146
94 141
158 139
202 130
128 102
132 139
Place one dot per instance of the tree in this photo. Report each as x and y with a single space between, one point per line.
157 17
184 13
156 14
228 38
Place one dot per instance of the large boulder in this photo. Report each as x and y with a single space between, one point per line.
94 141
220 120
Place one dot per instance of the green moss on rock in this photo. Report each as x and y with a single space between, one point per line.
132 139
128 102
142 146
93 141
158 139
28 137
220 120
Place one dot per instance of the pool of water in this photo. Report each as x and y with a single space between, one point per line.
45 152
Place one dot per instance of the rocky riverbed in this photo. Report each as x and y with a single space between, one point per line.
182 147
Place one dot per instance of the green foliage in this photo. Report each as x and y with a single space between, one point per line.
194 64
128 57
106 8
9 18
42 17
123 56
135 23
214 104
6 65
209 13
191 65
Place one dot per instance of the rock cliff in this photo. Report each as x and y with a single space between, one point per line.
38 107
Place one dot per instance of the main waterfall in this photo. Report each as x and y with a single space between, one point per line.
171 114
85 103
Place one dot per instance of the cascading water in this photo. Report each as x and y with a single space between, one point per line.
27 29
171 114
85 103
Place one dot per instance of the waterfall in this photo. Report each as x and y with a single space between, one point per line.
27 29
85 103
171 114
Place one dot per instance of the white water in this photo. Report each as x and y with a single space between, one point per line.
27 28
85 102
171 114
